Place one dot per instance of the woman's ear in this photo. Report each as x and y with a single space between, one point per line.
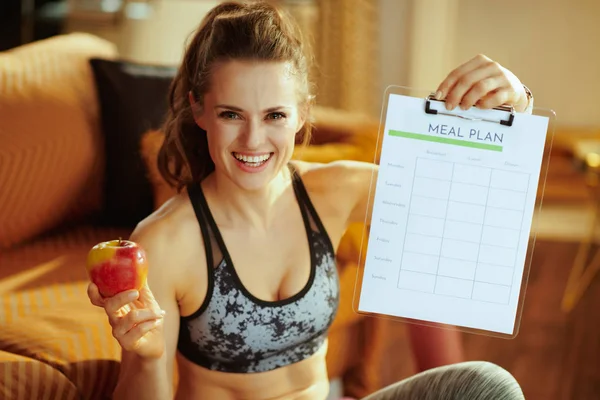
196 110
191 99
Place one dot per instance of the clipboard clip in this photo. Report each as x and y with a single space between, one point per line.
507 122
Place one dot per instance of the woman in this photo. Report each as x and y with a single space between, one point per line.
242 284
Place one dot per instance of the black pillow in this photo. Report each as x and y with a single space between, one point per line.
133 100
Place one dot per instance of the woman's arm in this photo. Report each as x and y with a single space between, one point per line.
152 378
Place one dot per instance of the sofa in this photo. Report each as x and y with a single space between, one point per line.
66 183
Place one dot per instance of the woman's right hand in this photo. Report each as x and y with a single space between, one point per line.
136 320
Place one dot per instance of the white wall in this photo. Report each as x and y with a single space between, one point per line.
417 42
158 37
393 33
552 45
161 37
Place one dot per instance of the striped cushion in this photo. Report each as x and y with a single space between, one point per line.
26 378
46 315
50 141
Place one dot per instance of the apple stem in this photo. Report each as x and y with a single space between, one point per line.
120 240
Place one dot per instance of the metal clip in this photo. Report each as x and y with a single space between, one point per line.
509 109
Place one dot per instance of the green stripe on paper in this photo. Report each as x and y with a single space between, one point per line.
445 140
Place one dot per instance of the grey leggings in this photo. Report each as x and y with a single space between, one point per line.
473 380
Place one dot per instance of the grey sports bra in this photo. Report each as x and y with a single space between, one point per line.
233 331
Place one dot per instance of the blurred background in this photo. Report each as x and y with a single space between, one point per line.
361 47
364 45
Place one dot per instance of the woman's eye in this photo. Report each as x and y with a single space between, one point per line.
276 115
228 115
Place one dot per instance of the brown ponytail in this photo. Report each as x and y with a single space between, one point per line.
230 31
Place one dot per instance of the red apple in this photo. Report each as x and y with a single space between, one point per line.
116 266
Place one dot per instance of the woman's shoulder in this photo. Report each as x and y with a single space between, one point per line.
170 238
169 225
332 177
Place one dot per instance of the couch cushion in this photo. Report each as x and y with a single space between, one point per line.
43 285
26 378
150 144
133 99
70 334
50 148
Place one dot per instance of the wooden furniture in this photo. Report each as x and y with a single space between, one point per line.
586 154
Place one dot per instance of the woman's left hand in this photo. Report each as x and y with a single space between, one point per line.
483 83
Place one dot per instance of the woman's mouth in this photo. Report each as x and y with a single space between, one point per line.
252 161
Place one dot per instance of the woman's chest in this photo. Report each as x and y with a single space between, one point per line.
272 265
239 332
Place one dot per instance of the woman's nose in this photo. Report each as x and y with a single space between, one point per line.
253 135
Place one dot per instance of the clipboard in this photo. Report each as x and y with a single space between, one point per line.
450 227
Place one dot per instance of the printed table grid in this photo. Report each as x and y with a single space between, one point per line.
463 230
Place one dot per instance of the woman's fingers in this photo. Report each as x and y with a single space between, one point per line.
110 304
147 298
134 318
130 340
94 295
453 77
482 89
113 305
118 301
477 83
131 314
496 98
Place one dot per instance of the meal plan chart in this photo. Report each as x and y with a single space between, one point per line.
452 212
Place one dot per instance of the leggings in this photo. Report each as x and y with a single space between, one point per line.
472 380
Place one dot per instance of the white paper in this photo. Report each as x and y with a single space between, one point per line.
451 224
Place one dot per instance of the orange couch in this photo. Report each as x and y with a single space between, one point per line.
53 343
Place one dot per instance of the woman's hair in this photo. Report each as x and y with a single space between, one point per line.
230 31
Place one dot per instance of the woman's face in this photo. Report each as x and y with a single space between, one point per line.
251 115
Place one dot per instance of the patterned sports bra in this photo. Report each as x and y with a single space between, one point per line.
233 331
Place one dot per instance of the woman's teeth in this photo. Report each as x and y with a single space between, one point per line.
252 161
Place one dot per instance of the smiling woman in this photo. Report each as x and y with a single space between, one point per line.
227 57
251 115
243 257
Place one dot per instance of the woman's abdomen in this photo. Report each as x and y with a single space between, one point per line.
306 379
